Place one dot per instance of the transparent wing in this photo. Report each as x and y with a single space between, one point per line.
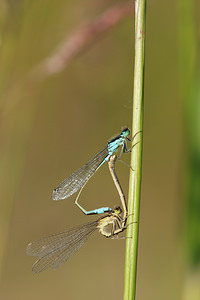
77 179
54 250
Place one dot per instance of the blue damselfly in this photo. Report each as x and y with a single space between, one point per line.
77 180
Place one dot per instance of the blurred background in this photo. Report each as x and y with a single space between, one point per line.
66 89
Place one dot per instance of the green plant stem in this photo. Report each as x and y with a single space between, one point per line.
136 155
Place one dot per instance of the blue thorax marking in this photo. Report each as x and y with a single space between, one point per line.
115 144
115 138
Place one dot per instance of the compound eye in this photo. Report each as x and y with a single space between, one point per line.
126 131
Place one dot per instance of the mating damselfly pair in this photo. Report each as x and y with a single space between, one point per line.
54 250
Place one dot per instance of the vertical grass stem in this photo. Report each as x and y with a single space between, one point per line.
136 155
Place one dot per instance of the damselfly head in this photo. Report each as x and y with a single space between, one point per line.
126 132
117 210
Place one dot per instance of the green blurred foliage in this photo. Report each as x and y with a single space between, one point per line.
190 95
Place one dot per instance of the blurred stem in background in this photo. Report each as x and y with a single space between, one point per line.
74 45
15 126
136 154
80 40
190 97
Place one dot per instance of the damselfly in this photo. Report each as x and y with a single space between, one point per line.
79 178
54 250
